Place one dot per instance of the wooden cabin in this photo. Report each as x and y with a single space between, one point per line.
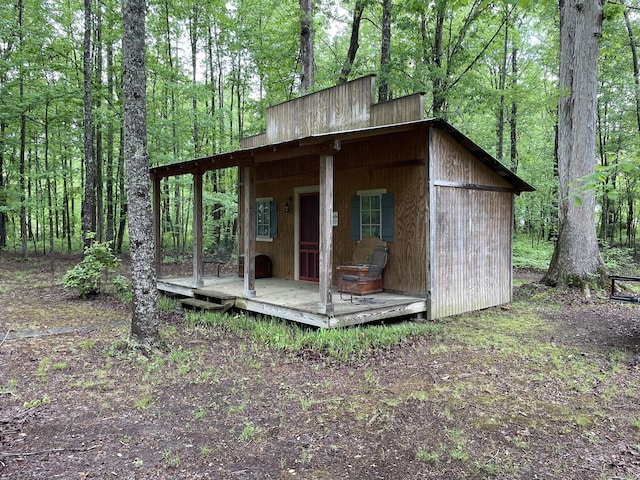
334 167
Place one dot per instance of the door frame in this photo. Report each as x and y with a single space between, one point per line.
296 233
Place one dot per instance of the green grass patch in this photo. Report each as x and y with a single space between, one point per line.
341 344
528 253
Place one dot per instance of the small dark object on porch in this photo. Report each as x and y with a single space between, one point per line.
376 266
615 293
217 261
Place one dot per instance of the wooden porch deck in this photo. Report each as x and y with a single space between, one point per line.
298 301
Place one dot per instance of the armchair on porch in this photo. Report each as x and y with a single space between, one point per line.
362 278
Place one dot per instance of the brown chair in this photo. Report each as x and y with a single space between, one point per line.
372 274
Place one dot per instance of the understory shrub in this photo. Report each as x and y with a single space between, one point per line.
91 275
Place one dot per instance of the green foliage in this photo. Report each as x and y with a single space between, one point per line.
88 276
531 254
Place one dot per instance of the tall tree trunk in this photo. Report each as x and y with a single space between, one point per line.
122 195
438 76
144 322
385 53
502 84
636 68
23 137
48 176
193 37
88 205
110 147
98 219
358 10
3 193
576 257
513 119
306 45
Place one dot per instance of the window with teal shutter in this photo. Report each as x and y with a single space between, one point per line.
266 218
372 215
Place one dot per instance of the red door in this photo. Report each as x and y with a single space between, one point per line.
309 245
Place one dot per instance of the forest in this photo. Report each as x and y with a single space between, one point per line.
488 68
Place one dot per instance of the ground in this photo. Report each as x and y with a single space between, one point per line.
546 387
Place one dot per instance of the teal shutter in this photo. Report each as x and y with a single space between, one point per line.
355 217
273 218
387 217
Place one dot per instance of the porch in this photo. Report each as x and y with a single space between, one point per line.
298 301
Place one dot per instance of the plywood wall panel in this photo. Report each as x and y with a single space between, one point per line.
471 260
456 164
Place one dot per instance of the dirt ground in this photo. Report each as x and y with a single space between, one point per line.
544 388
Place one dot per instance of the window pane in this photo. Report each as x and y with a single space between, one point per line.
263 219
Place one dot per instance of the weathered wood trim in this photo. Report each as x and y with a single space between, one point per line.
431 227
197 231
302 150
471 186
157 233
325 305
249 229
399 110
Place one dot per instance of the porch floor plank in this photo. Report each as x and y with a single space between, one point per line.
298 301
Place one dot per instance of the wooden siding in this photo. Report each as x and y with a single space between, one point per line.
344 107
395 163
472 219
471 261
453 163
404 109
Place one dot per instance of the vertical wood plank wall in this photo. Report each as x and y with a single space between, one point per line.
397 164
471 261
350 108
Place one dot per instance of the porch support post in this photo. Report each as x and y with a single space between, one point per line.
197 231
249 230
157 235
326 234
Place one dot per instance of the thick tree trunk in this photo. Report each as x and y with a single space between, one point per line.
306 45
576 258
144 322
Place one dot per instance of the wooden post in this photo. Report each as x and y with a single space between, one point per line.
325 306
197 231
157 232
249 230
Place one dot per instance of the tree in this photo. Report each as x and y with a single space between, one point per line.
144 323
88 205
306 44
385 53
358 10
576 257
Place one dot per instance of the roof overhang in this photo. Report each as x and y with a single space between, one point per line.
328 144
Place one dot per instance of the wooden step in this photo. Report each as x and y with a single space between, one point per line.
212 295
198 304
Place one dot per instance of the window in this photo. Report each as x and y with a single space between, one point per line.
372 214
266 219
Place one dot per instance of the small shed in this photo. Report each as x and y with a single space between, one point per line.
334 167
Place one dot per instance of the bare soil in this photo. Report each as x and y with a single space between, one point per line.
546 387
